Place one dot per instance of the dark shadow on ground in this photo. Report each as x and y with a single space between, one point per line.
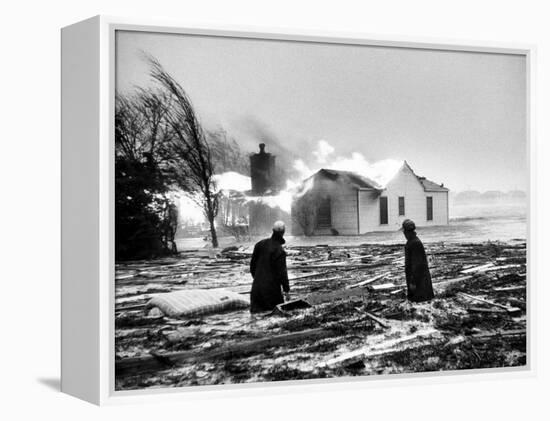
53 383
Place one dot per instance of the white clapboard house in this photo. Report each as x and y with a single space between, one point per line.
345 203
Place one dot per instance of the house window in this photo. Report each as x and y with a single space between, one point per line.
401 206
383 210
429 208
324 219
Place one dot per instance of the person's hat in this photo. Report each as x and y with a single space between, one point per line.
279 226
408 225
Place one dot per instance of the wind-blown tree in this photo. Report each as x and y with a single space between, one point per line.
226 153
144 211
189 154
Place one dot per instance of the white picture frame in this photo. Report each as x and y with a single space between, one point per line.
88 93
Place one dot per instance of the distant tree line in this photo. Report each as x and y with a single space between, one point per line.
161 148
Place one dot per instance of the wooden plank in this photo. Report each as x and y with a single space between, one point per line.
304 262
446 281
477 268
503 267
483 300
131 307
331 278
501 333
368 281
509 289
309 275
159 361
439 253
485 310
332 266
122 277
398 291
383 287
360 257
293 305
326 272
378 320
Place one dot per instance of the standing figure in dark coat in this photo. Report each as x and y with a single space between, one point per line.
419 280
268 268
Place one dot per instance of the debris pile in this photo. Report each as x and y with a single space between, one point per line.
348 316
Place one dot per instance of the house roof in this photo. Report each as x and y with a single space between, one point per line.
430 185
361 182
348 177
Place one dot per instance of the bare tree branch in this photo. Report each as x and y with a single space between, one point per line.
189 146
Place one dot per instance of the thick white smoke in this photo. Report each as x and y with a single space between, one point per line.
380 172
324 150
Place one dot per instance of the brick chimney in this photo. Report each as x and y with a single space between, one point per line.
262 171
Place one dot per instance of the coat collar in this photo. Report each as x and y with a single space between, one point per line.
278 237
413 237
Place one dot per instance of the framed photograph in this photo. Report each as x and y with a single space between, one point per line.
245 209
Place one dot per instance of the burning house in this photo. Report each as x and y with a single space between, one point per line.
330 202
342 202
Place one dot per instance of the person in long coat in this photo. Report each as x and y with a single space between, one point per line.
268 268
417 272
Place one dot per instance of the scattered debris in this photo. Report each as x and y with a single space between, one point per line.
368 281
350 313
156 360
388 347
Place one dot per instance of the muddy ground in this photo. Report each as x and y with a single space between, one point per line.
349 330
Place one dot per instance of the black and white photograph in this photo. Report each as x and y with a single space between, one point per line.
294 210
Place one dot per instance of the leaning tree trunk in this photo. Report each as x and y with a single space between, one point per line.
211 215
213 232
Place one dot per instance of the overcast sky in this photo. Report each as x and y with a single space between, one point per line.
457 118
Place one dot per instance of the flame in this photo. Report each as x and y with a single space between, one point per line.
282 200
232 181
191 212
